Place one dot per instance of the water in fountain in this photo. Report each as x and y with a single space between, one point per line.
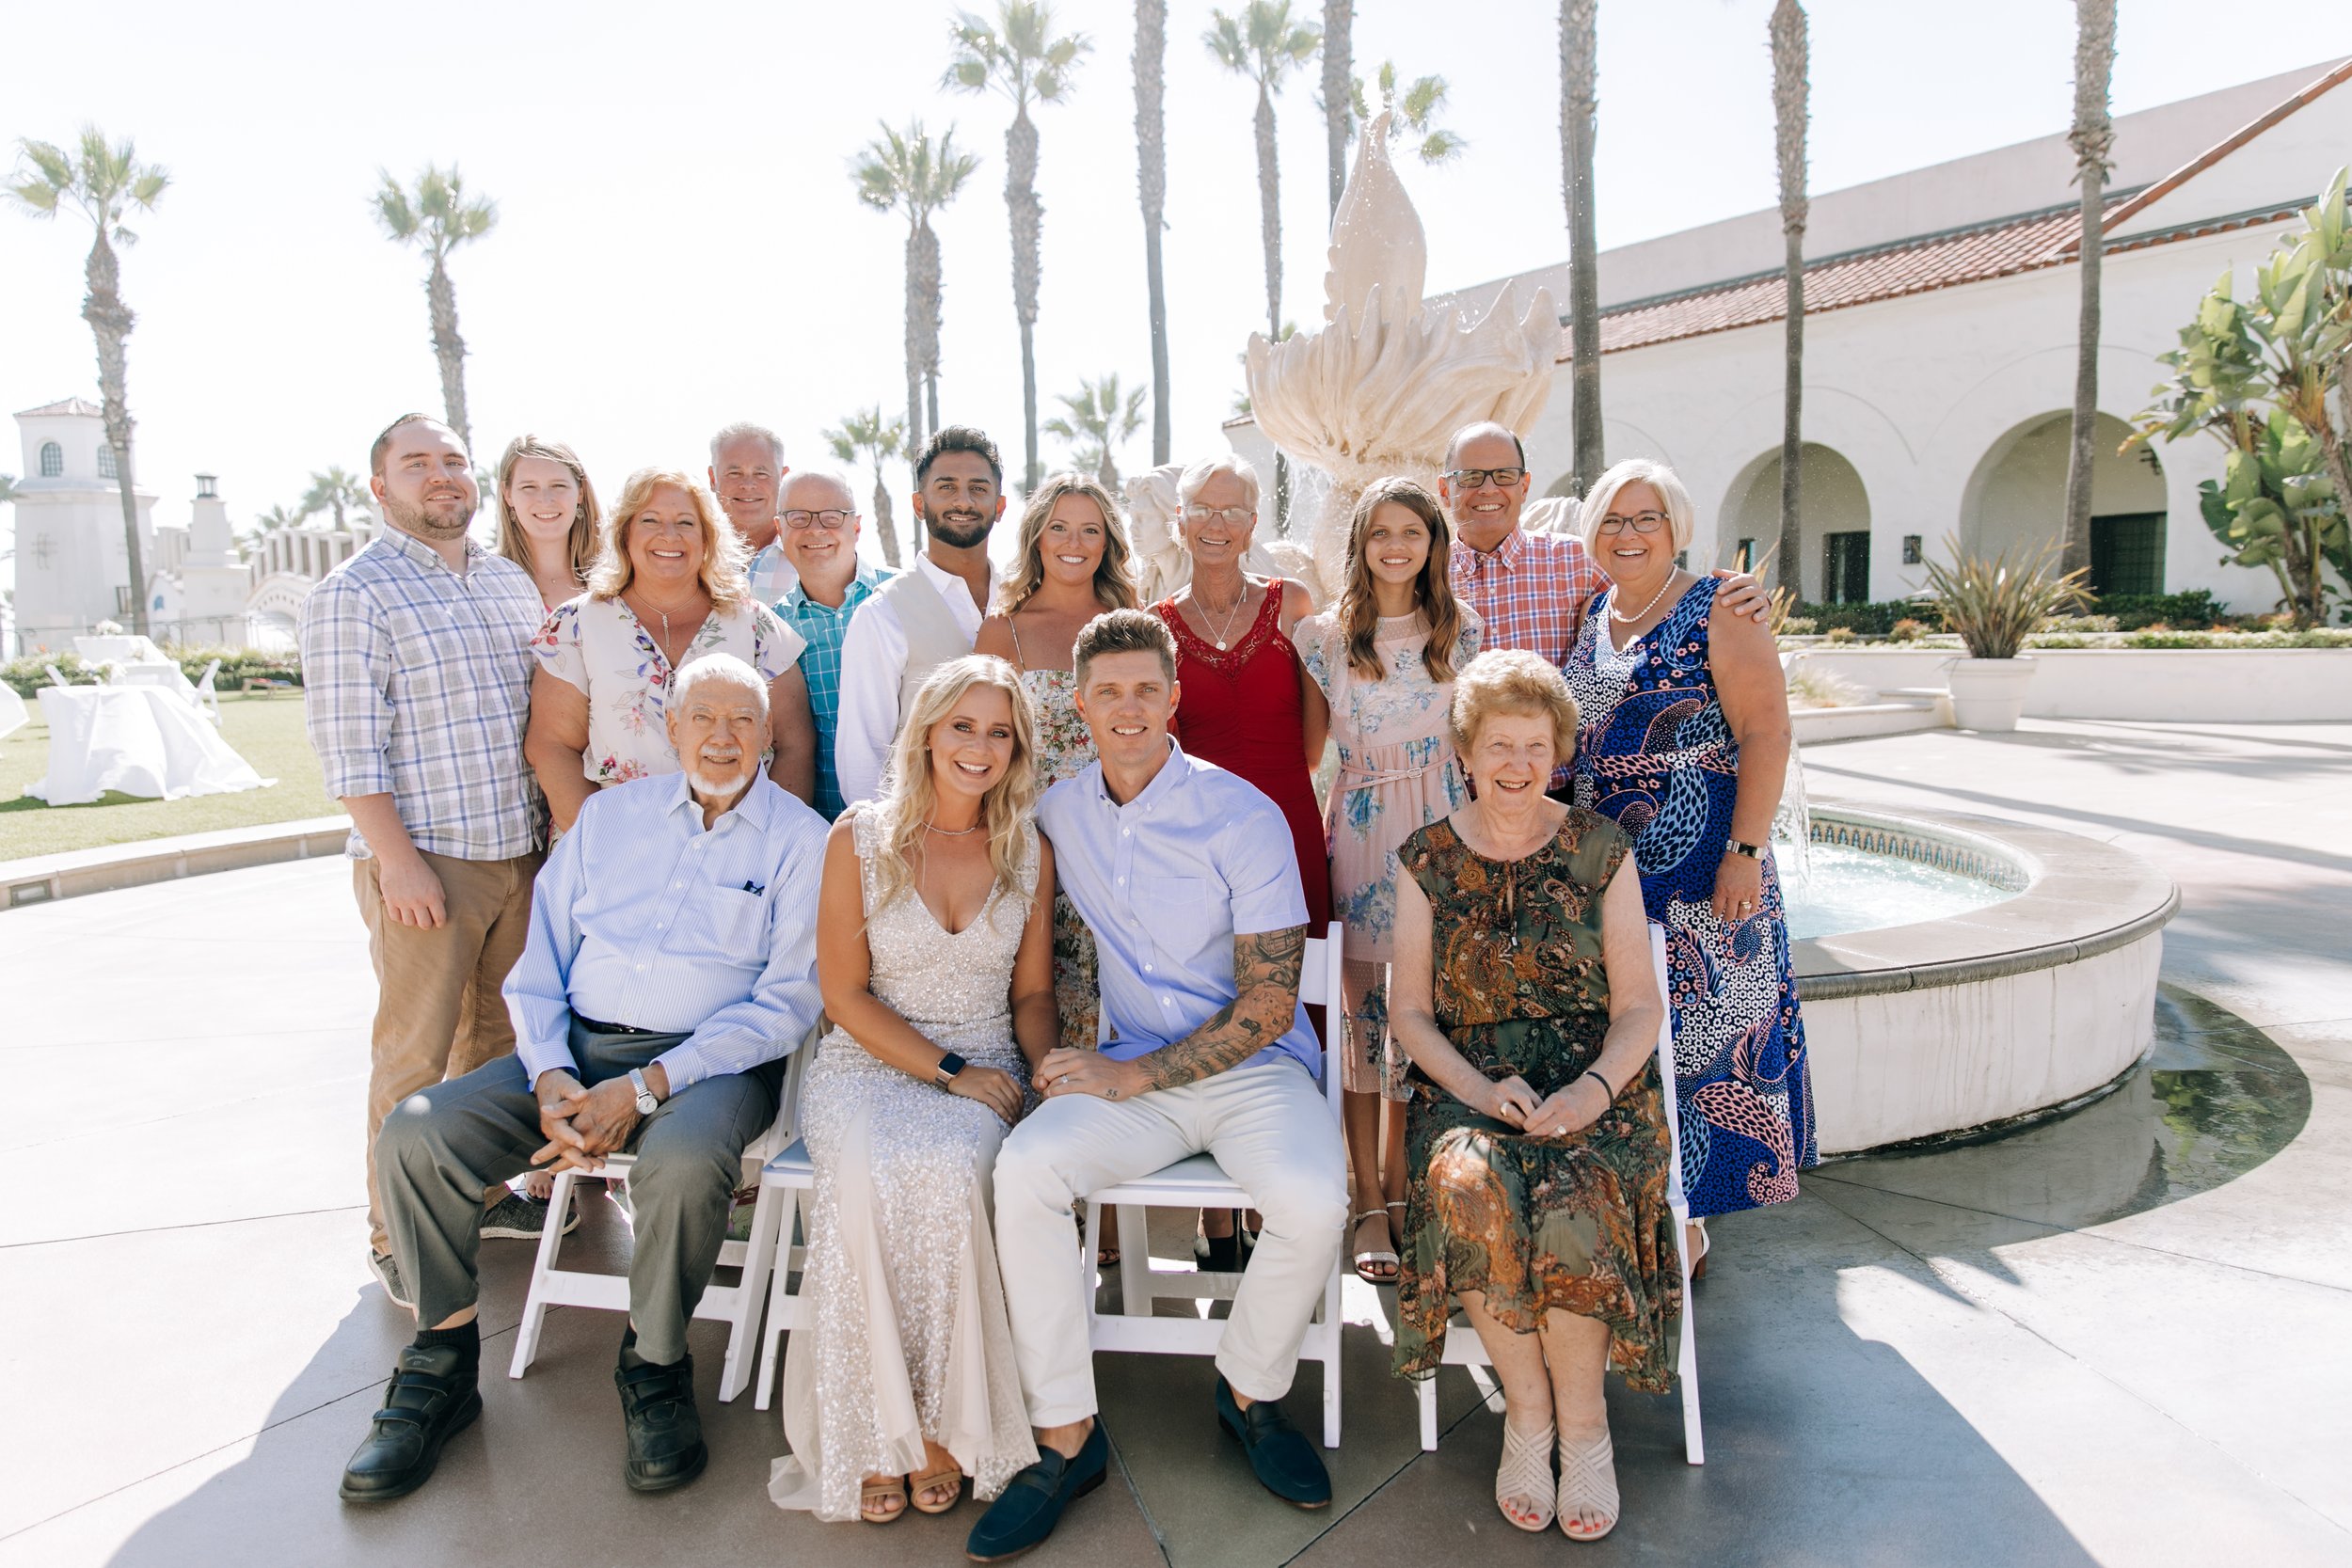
1792 830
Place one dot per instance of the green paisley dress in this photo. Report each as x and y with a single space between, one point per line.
1578 1223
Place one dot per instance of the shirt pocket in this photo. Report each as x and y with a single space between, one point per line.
1170 895
733 923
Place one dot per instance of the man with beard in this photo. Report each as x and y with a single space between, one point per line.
922 618
417 689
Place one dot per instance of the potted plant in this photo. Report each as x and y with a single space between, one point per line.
1993 606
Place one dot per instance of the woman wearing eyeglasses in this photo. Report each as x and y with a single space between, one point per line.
1684 742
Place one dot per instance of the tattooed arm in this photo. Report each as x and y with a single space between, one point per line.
1265 975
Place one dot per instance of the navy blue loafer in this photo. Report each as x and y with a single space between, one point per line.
1031 1504
1278 1452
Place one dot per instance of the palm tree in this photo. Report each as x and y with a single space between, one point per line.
1150 62
866 434
1340 90
1020 56
908 169
278 519
105 181
1263 45
1415 113
2093 137
334 491
436 217
1580 54
1099 419
1790 94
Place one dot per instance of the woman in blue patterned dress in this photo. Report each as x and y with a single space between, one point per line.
1684 741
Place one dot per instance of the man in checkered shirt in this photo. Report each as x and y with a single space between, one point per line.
1531 589
417 685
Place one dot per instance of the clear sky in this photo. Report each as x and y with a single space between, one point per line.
679 244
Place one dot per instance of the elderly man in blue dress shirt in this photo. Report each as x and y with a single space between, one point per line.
1186 877
670 965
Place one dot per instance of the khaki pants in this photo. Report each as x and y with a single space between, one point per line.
438 1013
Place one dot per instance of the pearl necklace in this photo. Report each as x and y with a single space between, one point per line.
1625 620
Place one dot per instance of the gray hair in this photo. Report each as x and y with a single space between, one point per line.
717 667
1208 468
831 476
742 428
1680 513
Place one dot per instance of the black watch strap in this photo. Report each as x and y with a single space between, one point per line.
949 1065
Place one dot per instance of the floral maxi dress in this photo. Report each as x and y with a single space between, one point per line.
1064 748
1578 1223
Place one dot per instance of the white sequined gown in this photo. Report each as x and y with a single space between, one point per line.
905 1333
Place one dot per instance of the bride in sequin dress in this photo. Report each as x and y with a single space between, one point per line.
935 956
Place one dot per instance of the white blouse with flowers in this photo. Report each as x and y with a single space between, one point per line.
599 646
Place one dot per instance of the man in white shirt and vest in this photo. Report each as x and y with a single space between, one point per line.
921 618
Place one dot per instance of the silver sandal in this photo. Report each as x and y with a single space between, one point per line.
1588 1481
1525 1474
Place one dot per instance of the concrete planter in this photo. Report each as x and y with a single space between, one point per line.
2196 686
1989 694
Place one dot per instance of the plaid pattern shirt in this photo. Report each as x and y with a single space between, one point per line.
824 626
770 575
417 685
1532 592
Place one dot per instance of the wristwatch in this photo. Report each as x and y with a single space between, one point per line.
949 1065
646 1103
1733 847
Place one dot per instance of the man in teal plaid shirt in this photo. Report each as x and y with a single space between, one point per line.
819 540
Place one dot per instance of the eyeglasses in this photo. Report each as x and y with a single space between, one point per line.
1236 515
1641 522
831 519
1473 479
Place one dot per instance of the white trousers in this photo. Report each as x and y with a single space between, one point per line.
1270 1130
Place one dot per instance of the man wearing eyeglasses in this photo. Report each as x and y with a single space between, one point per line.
1531 590
819 540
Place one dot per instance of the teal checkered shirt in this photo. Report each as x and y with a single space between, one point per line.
824 626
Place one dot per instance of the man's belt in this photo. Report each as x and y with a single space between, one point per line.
587 1022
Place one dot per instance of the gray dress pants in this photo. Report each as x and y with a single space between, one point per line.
443 1145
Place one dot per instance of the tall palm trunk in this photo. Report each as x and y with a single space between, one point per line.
918 318
110 323
1028 227
1338 88
1579 104
1152 186
883 523
1790 92
1270 233
449 348
2093 137
934 318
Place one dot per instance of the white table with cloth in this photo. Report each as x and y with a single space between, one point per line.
119 650
137 740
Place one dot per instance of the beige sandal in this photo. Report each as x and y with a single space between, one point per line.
1525 1474
1588 1481
949 1475
871 1492
1364 1261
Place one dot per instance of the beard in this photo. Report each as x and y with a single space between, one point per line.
962 532
430 521
704 785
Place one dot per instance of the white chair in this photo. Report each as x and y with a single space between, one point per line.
207 699
1462 1346
736 1305
1198 1184
784 1186
55 678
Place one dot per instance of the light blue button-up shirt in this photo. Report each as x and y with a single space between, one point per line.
1166 882
646 918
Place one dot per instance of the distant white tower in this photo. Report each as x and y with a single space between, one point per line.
72 571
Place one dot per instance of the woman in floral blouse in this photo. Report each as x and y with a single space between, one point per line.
668 587
1384 659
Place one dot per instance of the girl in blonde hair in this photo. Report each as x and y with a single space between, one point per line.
934 953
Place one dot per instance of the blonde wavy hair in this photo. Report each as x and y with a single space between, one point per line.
1114 574
587 518
723 555
909 797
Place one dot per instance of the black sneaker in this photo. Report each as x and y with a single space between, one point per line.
432 1395
520 1217
663 1428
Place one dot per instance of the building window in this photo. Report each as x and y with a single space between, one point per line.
52 460
107 462
1846 568
2127 553
1745 556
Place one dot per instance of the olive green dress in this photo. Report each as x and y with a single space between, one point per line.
1578 1223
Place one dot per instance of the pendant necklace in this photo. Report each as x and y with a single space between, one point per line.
955 833
1225 627
1628 619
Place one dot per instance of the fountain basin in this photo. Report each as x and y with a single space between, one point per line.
2035 1000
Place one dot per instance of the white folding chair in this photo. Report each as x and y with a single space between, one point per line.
1196 1182
784 1186
55 678
207 699
1462 1346
736 1305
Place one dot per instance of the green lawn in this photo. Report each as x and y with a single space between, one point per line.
266 727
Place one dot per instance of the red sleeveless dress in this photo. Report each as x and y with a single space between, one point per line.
1241 709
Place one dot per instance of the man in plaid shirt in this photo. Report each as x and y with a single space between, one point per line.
819 540
417 685
1531 589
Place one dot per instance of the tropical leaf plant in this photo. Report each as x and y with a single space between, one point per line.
436 217
1994 605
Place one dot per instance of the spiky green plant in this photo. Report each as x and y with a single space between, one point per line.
1993 606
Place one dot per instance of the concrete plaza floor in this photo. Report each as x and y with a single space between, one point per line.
2123 1336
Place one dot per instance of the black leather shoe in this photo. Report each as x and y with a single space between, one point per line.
1285 1460
1027 1510
432 1395
665 1431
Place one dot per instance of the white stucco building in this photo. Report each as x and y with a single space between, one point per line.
1940 347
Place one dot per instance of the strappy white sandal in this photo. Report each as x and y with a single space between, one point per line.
1525 1475
1363 1261
1588 1481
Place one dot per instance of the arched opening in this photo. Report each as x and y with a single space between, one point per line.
1832 565
2016 501
52 460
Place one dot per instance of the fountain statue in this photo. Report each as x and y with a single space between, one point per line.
1387 382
